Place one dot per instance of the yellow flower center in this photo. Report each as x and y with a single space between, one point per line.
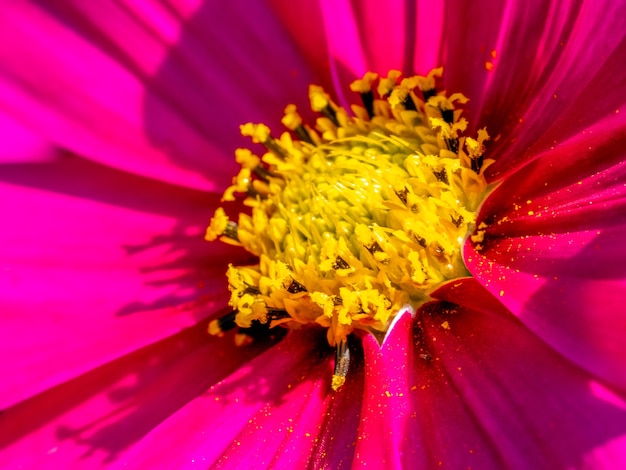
358 218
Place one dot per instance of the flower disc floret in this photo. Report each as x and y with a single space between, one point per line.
358 218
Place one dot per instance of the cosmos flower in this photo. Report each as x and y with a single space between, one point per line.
119 120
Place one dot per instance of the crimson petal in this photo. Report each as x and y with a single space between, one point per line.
95 264
553 249
276 411
471 386
92 419
135 87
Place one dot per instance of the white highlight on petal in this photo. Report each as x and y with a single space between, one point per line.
605 394
406 308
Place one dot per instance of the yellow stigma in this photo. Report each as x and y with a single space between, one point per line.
357 218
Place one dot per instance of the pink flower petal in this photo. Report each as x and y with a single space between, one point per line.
499 55
343 40
535 406
21 144
92 262
304 23
554 252
277 411
136 87
562 101
566 301
327 35
550 61
89 421
384 436
464 386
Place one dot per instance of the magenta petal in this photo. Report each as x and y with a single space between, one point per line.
387 405
89 421
567 302
547 197
550 60
96 263
277 411
412 417
563 106
402 35
534 407
553 250
343 39
465 386
496 53
21 144
150 90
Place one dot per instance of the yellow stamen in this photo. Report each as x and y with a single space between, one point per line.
218 225
260 133
427 83
319 98
342 364
364 85
292 119
475 148
354 223
386 85
247 159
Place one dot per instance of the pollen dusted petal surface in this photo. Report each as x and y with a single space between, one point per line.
489 395
553 249
91 420
95 264
412 416
135 86
276 411
544 76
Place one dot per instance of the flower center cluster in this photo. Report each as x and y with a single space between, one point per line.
357 218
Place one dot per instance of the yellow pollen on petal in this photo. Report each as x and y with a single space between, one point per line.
214 328
358 217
